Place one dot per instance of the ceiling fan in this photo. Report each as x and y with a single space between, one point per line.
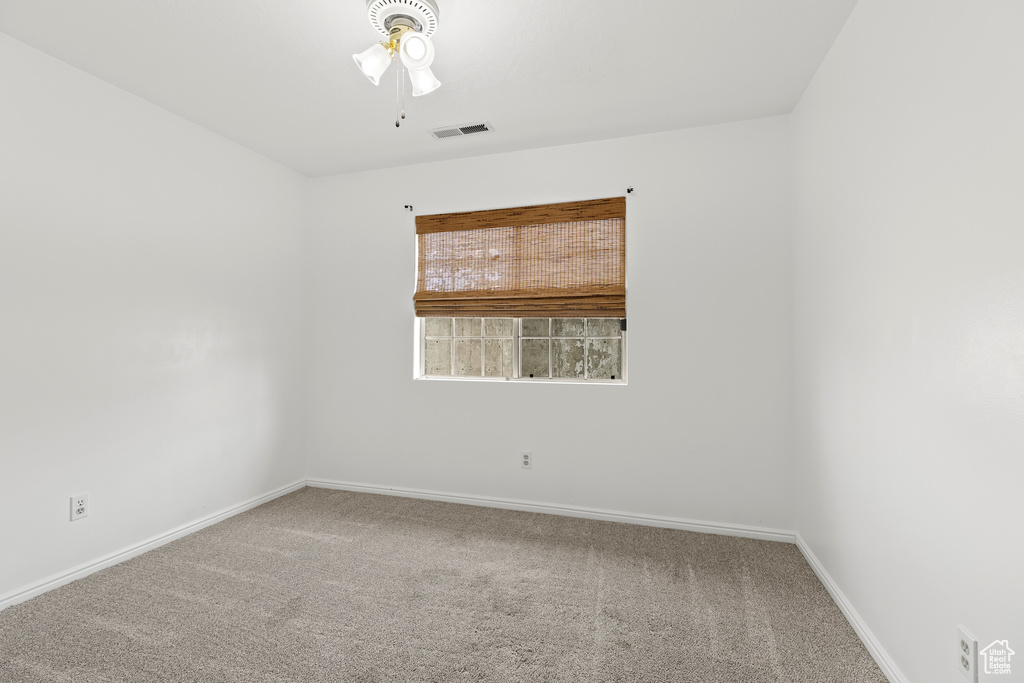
407 25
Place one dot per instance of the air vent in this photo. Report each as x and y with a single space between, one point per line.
460 131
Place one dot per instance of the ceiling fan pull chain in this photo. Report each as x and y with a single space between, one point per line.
402 76
398 94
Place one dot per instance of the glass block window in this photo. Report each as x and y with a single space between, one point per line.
527 349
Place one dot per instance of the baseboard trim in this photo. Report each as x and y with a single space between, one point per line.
874 647
83 570
720 528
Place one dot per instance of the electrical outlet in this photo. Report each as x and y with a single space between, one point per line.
79 506
967 653
527 460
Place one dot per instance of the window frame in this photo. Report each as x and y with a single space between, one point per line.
517 340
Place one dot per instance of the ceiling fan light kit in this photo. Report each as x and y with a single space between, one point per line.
407 25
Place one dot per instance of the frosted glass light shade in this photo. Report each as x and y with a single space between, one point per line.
373 62
417 51
423 81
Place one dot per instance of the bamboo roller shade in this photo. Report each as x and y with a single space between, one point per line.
553 260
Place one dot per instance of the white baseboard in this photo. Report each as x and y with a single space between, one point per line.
885 662
881 657
720 528
82 570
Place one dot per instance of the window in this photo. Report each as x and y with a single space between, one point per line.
562 349
534 292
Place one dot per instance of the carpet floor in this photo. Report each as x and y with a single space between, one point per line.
326 585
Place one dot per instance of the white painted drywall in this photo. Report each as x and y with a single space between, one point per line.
909 250
150 319
704 428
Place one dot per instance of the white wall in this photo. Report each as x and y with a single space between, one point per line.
151 306
910 324
704 428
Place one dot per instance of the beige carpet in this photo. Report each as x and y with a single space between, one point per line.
334 586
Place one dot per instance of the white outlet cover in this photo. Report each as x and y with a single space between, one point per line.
967 654
79 506
526 460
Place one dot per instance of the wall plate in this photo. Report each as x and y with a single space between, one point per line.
967 654
79 506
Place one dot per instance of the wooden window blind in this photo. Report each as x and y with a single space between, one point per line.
553 260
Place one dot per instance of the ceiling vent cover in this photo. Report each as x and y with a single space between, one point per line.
460 131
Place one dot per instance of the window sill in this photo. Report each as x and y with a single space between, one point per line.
525 380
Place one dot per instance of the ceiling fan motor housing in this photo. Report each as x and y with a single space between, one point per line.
422 14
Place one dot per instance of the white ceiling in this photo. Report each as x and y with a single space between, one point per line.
277 76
